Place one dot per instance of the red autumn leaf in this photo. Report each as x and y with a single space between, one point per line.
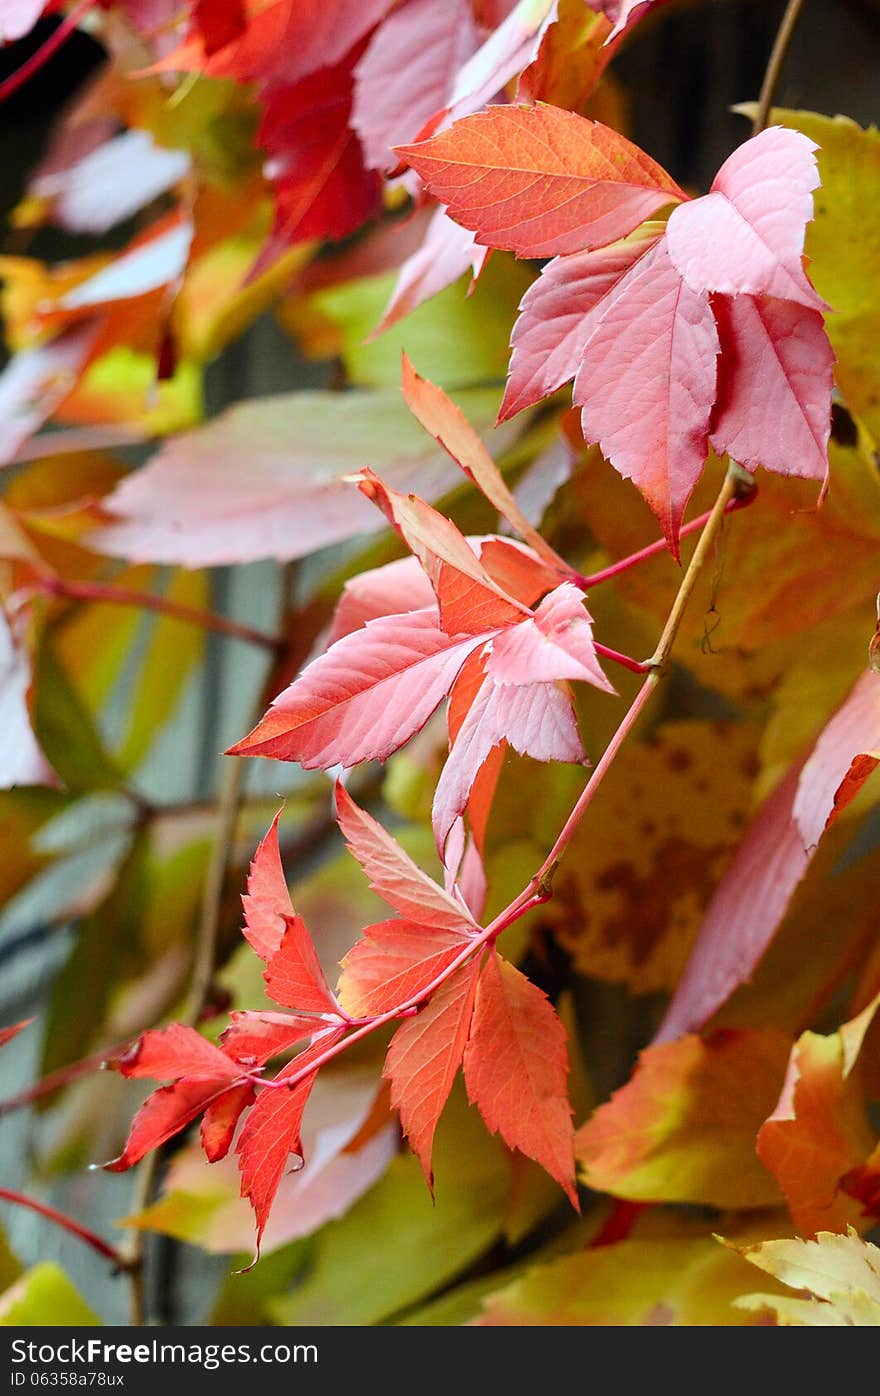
515 1068
266 903
424 1056
293 973
755 893
392 873
555 643
284 40
394 964
408 73
219 1121
549 337
746 236
219 22
271 1132
7 1034
449 426
322 187
257 1036
165 1113
646 383
365 697
166 1054
470 602
775 378
540 181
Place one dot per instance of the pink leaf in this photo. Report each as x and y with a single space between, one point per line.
408 72
537 720
755 893
293 975
120 177
647 384
510 48
746 236
36 381
365 697
424 1056
383 591
556 644
18 17
266 903
392 873
446 253
21 760
841 761
775 380
515 1068
549 336
165 1054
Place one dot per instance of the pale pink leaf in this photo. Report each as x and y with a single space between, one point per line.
548 338
382 591
841 761
36 381
746 236
447 251
408 72
153 262
646 383
775 377
392 873
556 644
506 52
365 697
21 760
743 915
112 182
537 719
18 17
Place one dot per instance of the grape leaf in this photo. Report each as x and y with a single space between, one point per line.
539 181
293 973
746 236
646 383
395 962
840 1274
515 1067
424 1056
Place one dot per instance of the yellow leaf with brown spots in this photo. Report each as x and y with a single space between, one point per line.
630 895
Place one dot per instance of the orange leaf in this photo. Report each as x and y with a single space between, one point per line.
395 963
425 1054
539 181
515 1068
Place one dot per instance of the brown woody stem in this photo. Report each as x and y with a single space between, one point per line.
103 593
778 55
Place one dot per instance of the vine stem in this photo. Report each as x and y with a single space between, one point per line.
105 593
655 549
778 55
91 1238
539 887
45 51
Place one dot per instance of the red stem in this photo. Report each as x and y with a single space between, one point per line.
45 51
150 601
91 1238
62 1077
661 546
634 665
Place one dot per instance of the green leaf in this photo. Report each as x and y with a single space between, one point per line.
416 1245
44 1297
66 730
